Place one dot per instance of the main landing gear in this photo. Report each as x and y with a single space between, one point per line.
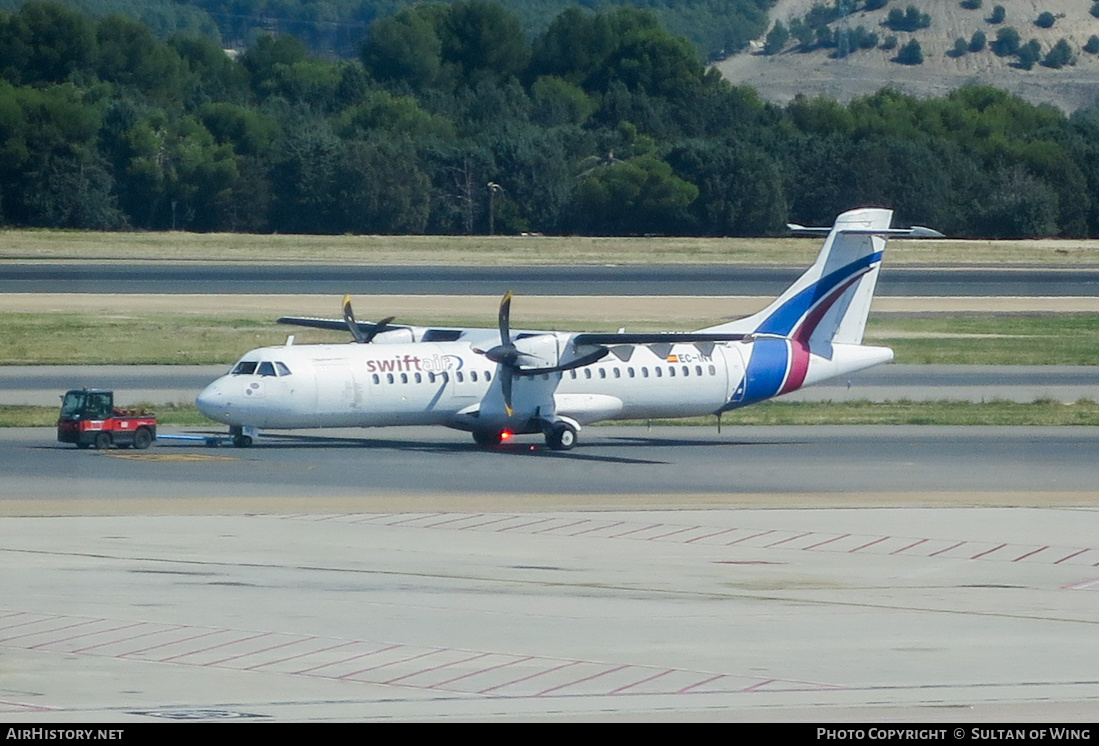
560 436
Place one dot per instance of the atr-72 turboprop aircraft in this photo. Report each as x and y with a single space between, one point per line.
495 383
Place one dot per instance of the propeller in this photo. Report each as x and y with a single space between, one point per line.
508 356
356 330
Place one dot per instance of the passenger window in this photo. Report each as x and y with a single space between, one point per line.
376 379
617 373
713 371
629 372
389 378
488 376
461 378
419 378
473 376
404 378
698 370
671 371
686 370
572 374
602 372
659 372
645 372
587 372
266 369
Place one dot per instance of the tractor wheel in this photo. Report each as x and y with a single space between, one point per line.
142 438
102 441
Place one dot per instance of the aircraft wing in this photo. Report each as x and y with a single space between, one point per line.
643 338
336 325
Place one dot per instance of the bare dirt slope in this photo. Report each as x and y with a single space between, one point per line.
780 77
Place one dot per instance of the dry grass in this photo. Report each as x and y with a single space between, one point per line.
67 246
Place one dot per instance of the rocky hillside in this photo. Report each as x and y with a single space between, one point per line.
819 71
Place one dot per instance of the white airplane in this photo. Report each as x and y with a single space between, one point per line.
496 383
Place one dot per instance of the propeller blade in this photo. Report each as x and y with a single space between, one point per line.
505 385
378 327
349 317
356 330
580 362
505 319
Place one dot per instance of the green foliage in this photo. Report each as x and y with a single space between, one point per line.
910 54
776 38
910 19
1092 46
978 41
998 14
1007 42
1059 56
635 196
1028 54
1045 20
971 4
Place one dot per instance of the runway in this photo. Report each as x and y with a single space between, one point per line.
627 280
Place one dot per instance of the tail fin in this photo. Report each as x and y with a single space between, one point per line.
829 304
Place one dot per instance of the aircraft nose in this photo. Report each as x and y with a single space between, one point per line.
213 402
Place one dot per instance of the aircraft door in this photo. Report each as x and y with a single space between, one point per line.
338 388
732 358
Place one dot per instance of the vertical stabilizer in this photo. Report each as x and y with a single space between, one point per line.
831 301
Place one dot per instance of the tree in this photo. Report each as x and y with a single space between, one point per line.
978 41
1028 54
1045 20
1092 47
998 14
640 195
1059 56
776 38
1007 42
910 54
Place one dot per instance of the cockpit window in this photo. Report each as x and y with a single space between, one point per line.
282 369
245 368
266 368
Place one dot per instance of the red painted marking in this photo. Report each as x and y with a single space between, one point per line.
558 528
761 684
418 517
523 525
463 517
944 551
130 638
990 551
505 664
673 533
708 536
171 642
700 683
392 663
637 530
301 655
436 668
1075 554
528 678
775 544
261 650
1030 554
870 544
345 660
761 533
44 631
827 541
215 647
646 680
910 546
86 634
487 523
1080 585
598 528
581 681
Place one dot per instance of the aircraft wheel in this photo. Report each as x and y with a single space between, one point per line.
102 441
487 438
242 441
561 437
142 439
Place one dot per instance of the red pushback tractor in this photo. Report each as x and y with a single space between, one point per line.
89 418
